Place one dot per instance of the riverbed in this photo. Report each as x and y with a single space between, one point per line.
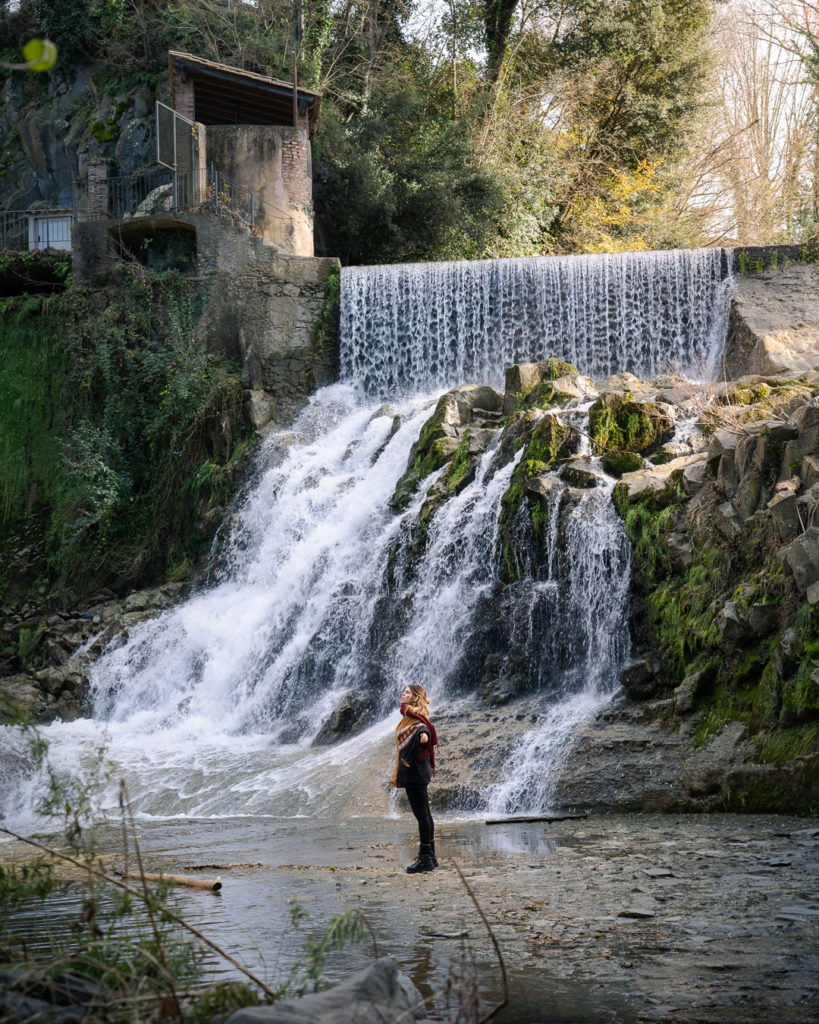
707 918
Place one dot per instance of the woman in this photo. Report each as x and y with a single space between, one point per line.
415 740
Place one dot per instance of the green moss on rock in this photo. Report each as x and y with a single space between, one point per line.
548 443
617 463
619 423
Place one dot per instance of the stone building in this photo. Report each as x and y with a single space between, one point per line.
232 143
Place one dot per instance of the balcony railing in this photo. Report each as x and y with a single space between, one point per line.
35 229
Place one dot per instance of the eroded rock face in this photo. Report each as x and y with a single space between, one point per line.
774 326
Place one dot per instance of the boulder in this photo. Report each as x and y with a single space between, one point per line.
620 423
524 378
730 623
641 678
801 557
581 473
720 466
692 687
618 463
680 551
783 511
728 521
762 619
378 993
809 470
655 481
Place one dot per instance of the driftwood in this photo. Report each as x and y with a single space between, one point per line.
536 817
194 883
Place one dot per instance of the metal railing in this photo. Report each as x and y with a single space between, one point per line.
145 195
14 229
35 229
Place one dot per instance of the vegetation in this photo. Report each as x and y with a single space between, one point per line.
117 432
491 134
128 954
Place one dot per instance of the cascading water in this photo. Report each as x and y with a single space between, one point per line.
415 327
321 604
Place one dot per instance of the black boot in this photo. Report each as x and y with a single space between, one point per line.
424 861
432 853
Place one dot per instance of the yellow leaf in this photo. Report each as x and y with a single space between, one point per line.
40 54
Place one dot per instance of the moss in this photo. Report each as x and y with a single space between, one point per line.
617 463
460 468
431 451
619 423
556 368
546 445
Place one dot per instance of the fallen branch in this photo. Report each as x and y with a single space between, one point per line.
536 817
176 918
194 883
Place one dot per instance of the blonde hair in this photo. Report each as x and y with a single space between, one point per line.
420 701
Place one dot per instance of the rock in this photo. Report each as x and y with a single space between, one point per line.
680 551
762 619
804 445
580 473
719 464
809 470
619 423
693 686
378 993
693 476
727 521
748 496
655 481
617 463
773 322
523 379
783 512
637 912
260 407
641 678
801 557
694 443
731 625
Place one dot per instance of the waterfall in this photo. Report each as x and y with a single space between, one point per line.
322 604
416 327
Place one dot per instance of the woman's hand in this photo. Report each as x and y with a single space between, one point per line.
424 737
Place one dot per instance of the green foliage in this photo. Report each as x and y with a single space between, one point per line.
404 182
117 426
347 927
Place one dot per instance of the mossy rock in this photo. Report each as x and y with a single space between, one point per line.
617 463
550 441
546 396
619 423
433 449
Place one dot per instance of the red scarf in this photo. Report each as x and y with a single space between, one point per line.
427 751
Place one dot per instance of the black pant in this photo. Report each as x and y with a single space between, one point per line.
419 802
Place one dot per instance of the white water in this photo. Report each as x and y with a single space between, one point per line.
210 709
415 327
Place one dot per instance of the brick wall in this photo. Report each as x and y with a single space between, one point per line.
297 170
97 190
183 95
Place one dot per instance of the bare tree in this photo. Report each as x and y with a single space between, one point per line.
752 179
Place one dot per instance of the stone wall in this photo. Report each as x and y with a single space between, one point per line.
774 325
275 164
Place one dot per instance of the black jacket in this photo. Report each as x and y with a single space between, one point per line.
413 769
